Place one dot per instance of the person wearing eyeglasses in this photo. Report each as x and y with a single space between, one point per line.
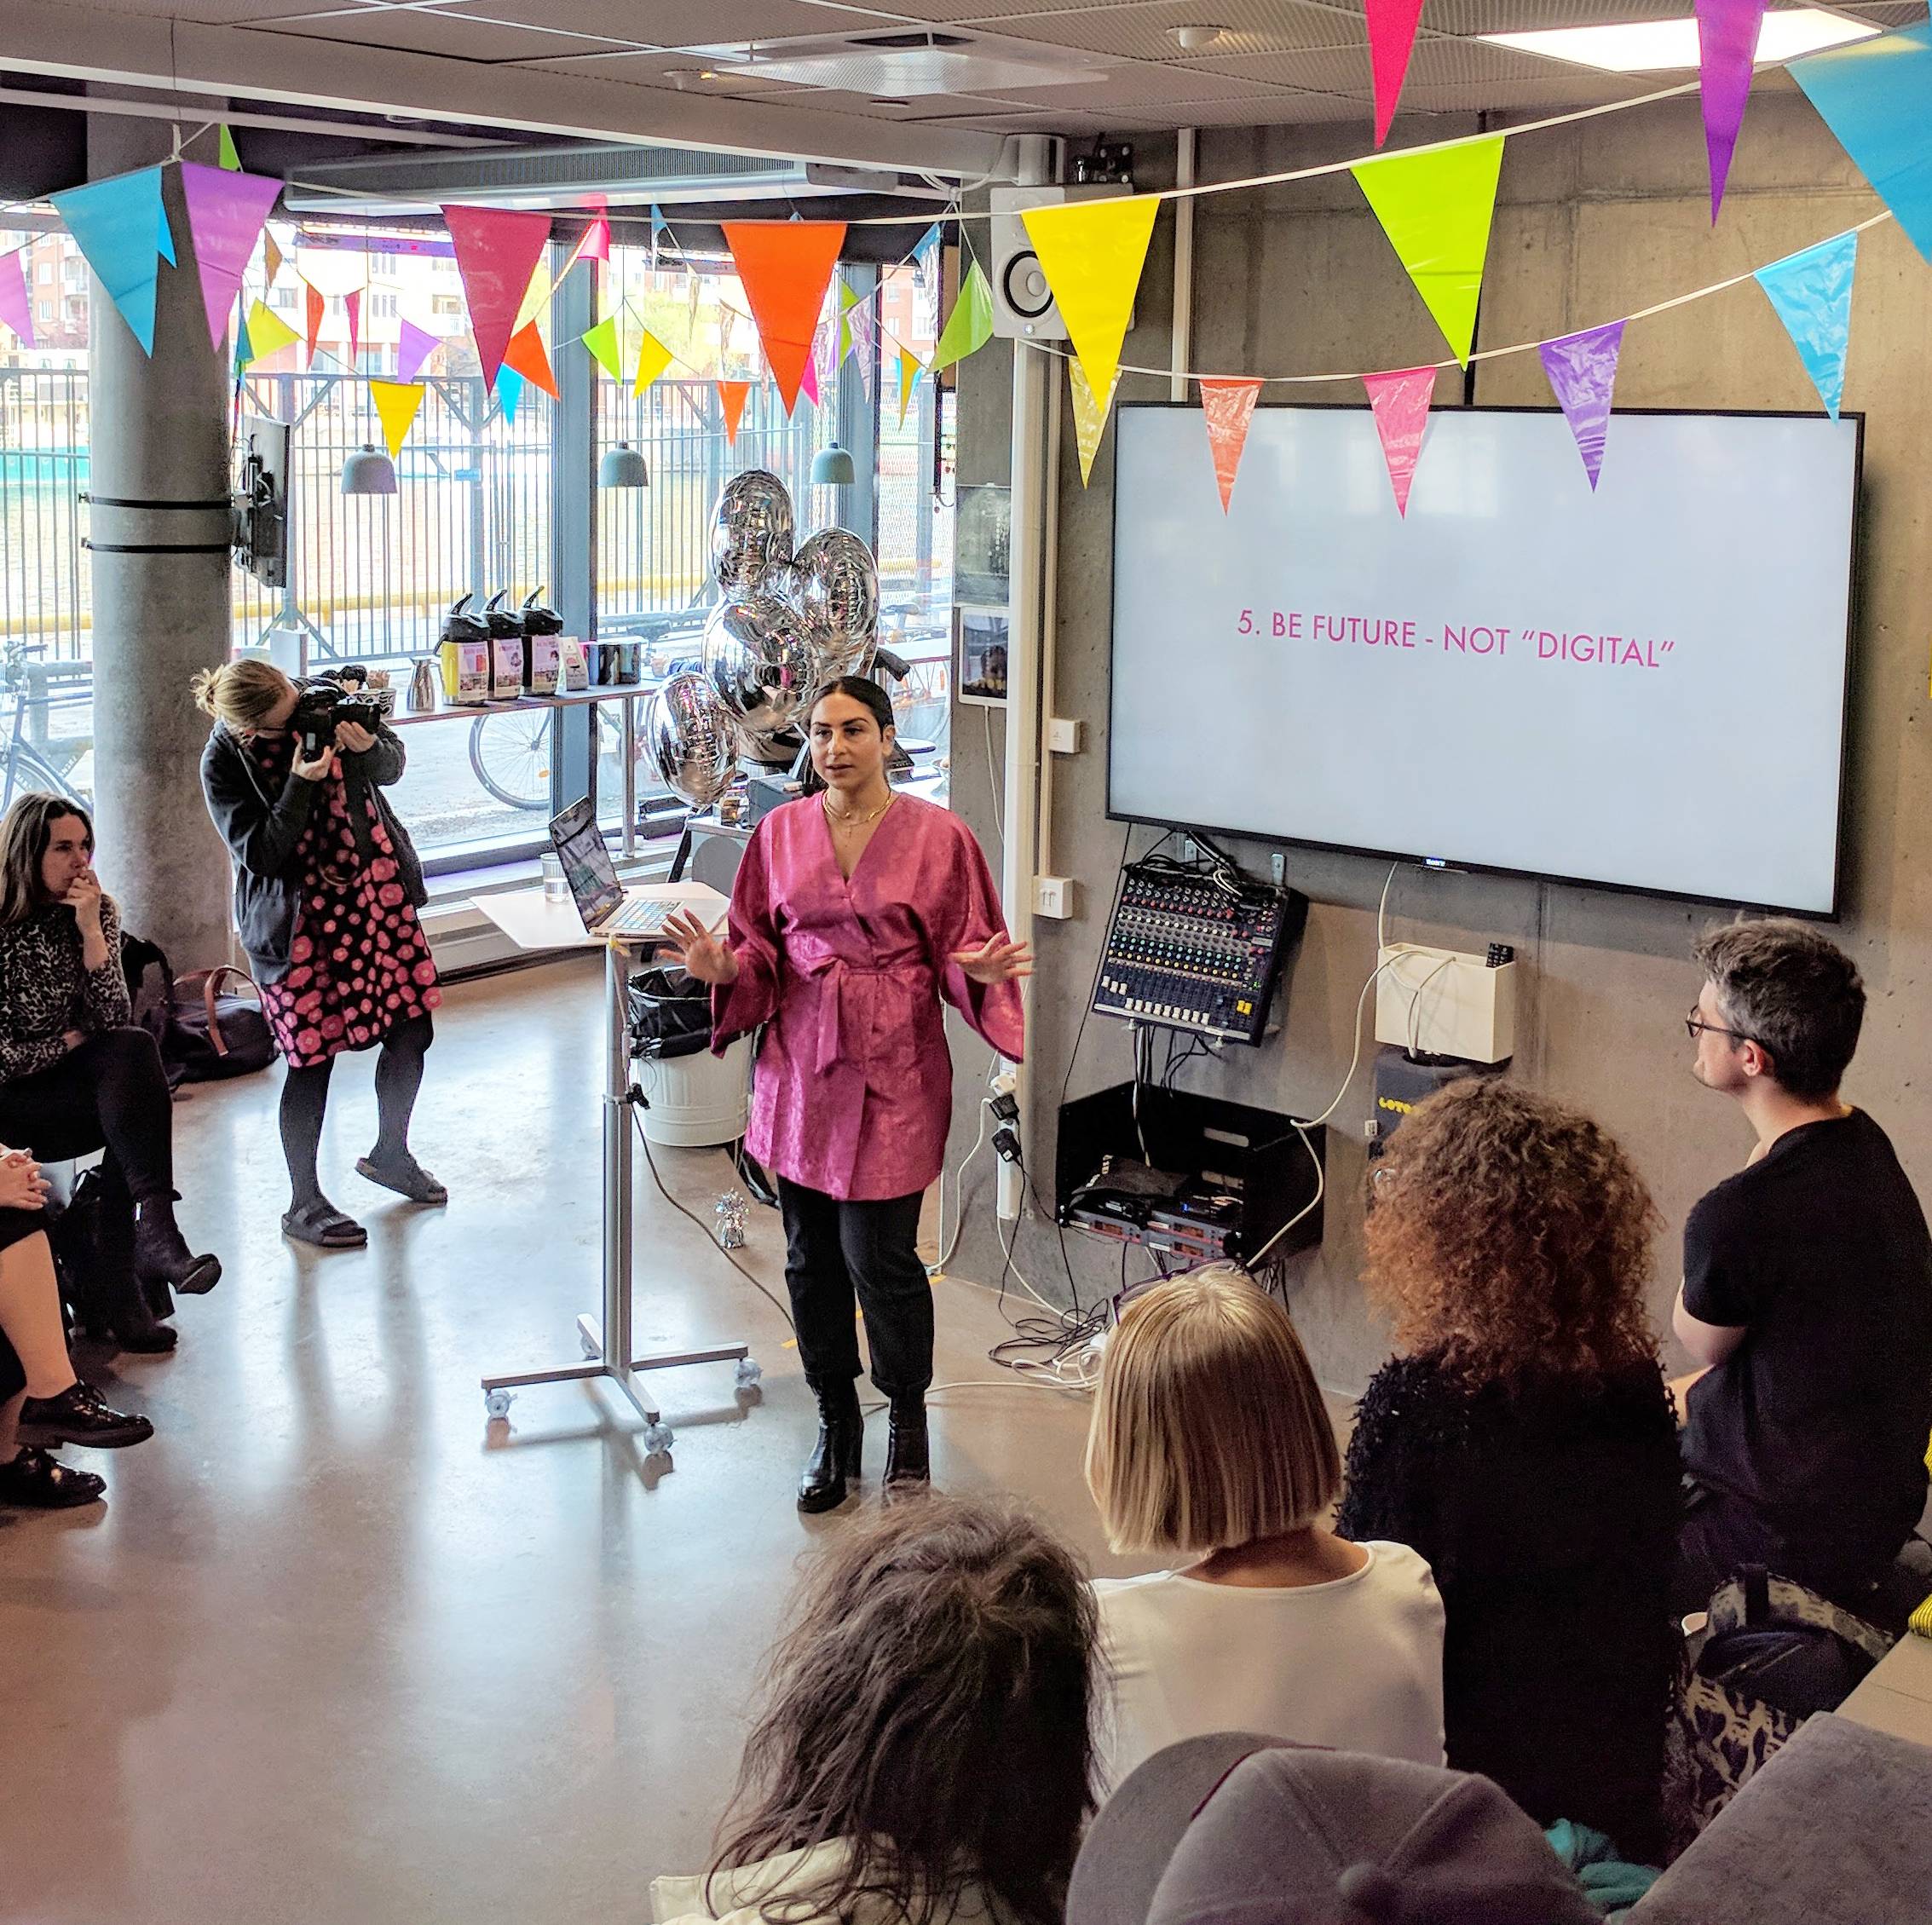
1807 1293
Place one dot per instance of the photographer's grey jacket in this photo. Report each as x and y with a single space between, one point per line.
263 830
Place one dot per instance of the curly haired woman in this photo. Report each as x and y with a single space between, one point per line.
1522 1440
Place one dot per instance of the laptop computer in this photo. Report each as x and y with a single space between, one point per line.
606 906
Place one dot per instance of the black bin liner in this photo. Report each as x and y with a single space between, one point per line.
669 1014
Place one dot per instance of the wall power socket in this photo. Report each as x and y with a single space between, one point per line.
1054 896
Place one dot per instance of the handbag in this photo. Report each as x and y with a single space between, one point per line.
216 1034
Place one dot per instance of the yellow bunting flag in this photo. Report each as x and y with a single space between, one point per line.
268 332
1089 417
849 298
395 404
601 340
536 300
970 325
1436 206
652 358
910 369
1092 252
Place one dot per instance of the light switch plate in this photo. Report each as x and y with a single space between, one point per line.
1064 735
1053 896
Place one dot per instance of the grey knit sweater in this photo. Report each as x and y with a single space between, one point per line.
44 991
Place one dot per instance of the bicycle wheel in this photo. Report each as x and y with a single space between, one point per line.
511 756
28 769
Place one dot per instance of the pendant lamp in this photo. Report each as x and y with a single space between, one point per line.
623 467
831 468
368 471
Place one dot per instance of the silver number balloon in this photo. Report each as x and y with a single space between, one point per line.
759 662
751 528
838 597
690 739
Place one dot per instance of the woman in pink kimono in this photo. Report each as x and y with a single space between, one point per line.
855 912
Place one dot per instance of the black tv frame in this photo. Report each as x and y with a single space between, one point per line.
1440 860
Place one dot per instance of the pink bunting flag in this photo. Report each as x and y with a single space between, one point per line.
1727 32
16 307
415 348
594 245
1582 372
807 378
354 303
497 251
1229 406
1401 404
1392 40
316 306
227 212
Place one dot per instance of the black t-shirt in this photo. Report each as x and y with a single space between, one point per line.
1820 1419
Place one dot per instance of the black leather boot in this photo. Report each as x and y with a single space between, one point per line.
161 1255
908 1457
835 1456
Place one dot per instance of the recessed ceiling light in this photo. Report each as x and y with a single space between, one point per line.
1193 40
1651 46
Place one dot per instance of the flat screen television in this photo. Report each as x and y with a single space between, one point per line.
1642 687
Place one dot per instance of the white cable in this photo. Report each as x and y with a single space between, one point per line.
1321 1186
1355 1060
959 1187
1416 1003
1382 911
993 777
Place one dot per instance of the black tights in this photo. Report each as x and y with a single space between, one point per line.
305 1099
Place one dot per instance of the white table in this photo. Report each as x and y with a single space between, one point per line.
533 922
1896 1695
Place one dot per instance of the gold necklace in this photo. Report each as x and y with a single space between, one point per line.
851 821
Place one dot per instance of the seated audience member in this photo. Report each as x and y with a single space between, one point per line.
75 1076
924 1756
42 1402
1210 1439
1522 1440
1807 1291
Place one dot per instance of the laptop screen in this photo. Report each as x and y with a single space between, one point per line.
587 867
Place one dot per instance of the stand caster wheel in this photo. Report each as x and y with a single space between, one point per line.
497 1402
749 1372
657 1439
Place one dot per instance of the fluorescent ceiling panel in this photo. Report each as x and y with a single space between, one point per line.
1654 46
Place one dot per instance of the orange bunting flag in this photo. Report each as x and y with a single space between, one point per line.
525 355
1092 252
1229 406
732 396
784 268
1089 417
271 255
316 307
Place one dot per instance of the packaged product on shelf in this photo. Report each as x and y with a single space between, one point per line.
507 667
540 664
571 664
466 672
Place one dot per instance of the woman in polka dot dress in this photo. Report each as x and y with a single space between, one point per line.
327 885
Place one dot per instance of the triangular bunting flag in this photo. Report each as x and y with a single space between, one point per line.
1727 33
784 267
536 299
16 307
395 403
1401 405
117 224
353 302
1812 291
245 348
315 308
910 369
1582 373
969 327
164 238
1392 40
659 225
732 396
1436 206
226 214
528 355
268 332
1874 95
415 347
508 387
808 377
594 245
1228 406
225 151
849 298
271 255
497 251
605 348
652 358
1092 252
1089 417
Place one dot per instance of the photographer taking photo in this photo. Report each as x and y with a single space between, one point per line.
327 885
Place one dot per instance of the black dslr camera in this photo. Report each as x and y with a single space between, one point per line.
320 709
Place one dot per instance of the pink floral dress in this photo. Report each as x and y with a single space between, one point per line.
360 962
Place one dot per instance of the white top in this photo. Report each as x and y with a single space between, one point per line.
1355 1664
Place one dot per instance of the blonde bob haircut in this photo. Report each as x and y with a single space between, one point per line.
241 695
1209 1428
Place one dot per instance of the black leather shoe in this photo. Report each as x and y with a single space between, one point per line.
145 1338
835 1456
909 1455
34 1481
161 1255
79 1414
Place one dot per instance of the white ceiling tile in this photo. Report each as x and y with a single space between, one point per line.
423 31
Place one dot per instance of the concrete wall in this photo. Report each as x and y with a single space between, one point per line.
1594 221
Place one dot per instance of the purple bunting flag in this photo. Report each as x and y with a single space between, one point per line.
415 348
16 306
226 214
1727 32
1582 371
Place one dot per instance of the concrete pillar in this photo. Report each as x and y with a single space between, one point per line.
159 435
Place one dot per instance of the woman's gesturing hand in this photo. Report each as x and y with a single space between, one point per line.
318 769
995 960
22 1187
693 948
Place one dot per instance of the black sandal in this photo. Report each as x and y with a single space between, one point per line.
321 1223
34 1481
407 1178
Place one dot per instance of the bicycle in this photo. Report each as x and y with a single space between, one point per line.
28 767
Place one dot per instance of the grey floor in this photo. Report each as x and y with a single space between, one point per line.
336 1650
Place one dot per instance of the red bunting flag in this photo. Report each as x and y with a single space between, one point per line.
527 356
1392 40
1229 406
732 396
784 268
497 251
353 302
317 308
1401 405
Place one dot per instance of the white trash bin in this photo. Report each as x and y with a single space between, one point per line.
698 1100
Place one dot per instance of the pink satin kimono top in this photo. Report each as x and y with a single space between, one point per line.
854 1087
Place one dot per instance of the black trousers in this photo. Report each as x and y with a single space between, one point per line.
1719 1535
842 1256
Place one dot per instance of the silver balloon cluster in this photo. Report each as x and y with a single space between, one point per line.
790 619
